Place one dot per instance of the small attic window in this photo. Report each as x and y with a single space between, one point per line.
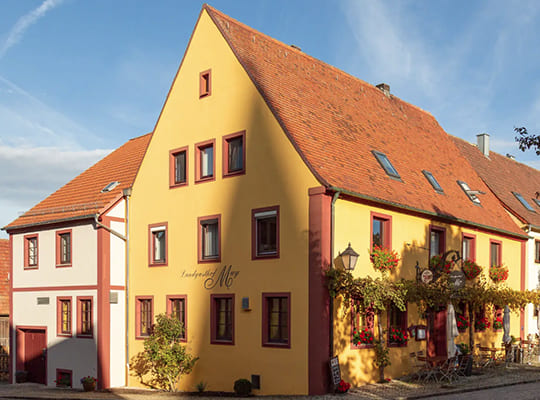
386 164
523 201
471 194
537 201
431 179
110 187
205 83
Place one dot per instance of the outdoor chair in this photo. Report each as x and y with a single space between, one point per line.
462 365
527 347
448 371
428 372
486 357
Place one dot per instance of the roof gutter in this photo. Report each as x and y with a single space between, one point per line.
56 221
424 212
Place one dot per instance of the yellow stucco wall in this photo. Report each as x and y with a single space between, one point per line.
410 238
275 176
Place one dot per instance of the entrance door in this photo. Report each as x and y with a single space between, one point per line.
436 337
32 343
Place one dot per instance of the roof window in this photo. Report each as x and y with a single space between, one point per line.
110 187
386 164
429 176
471 194
523 201
537 201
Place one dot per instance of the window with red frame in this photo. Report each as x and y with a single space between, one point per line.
63 248
64 378
537 251
468 248
234 156
222 318
64 316
178 167
397 324
85 317
176 308
209 239
31 251
205 83
265 232
276 319
481 322
159 244
380 231
362 322
437 241
205 161
144 316
495 254
497 318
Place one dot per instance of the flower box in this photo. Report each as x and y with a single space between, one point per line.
384 259
364 336
498 274
481 324
398 336
436 264
471 269
462 322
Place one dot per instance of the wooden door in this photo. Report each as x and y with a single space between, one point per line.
35 355
436 335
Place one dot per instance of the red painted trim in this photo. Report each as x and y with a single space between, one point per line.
151 262
169 299
12 336
64 371
200 258
473 244
20 350
225 155
205 83
387 229
59 322
537 251
27 265
110 205
442 240
499 251
51 288
522 285
201 146
80 299
172 167
265 317
320 258
58 250
254 255
117 287
355 321
138 335
114 219
103 307
213 322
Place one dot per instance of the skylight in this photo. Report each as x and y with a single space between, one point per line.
537 201
523 201
110 187
471 194
433 181
386 164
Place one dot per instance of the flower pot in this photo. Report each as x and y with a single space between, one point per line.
89 386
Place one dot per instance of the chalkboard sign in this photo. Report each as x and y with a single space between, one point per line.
457 279
335 371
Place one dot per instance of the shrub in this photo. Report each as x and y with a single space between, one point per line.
201 386
242 387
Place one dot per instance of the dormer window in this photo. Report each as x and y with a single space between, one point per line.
471 194
523 201
386 164
431 179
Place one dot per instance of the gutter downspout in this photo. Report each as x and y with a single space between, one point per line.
331 306
127 194
117 234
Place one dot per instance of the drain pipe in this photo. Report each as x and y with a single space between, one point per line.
127 195
331 306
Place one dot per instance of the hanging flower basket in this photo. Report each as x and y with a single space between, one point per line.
498 274
462 322
481 324
498 323
384 259
398 336
436 264
471 269
365 336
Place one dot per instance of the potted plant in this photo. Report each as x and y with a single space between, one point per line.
384 259
343 387
89 383
481 324
436 264
498 323
365 336
398 336
462 322
471 269
498 273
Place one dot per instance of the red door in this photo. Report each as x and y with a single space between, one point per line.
35 355
436 337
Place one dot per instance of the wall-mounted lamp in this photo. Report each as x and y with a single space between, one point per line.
349 258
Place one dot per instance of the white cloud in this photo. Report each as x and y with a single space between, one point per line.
17 31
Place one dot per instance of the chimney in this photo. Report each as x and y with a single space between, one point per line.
483 143
384 87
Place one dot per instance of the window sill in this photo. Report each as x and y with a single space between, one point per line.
81 336
362 346
63 265
177 185
234 173
206 179
139 337
209 260
64 335
31 268
398 344
225 342
277 345
265 256
163 264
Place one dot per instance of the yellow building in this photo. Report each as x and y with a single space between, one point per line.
264 164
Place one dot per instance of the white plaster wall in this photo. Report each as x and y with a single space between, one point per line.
84 259
76 354
118 211
118 341
118 255
532 283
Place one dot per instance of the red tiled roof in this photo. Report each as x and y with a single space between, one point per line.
82 196
504 176
335 120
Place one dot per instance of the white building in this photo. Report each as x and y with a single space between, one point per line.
68 270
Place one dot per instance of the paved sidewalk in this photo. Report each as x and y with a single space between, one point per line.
396 389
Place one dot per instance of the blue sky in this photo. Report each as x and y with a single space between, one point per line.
79 78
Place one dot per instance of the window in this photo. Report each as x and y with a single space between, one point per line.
480 321
209 238
381 230
63 316
265 232
537 251
362 321
176 308
537 201
144 316
84 318
386 164
397 327
276 326
523 201
234 154
431 179
495 253
222 318
157 244
178 162
497 319
205 83
471 194
30 251
468 247
205 161
64 378
63 248
437 241
110 187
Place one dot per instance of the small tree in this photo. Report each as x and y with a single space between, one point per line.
527 140
165 355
